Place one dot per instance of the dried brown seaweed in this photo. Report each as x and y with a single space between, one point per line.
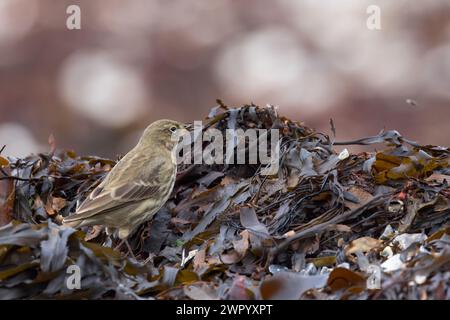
324 227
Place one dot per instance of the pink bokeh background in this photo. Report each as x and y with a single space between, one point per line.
136 61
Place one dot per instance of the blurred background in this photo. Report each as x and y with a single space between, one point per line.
136 61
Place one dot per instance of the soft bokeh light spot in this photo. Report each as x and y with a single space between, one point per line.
271 63
436 68
102 88
11 28
19 141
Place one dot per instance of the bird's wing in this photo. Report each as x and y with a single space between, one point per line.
109 196
111 200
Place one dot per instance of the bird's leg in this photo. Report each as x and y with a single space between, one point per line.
119 245
124 232
130 251
149 258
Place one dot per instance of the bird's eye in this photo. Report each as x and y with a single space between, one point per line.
173 129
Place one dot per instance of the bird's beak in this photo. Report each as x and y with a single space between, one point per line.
186 129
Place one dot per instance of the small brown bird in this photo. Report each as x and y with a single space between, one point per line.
138 185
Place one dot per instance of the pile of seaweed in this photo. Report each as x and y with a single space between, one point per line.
327 225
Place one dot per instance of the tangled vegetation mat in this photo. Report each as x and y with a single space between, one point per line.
329 225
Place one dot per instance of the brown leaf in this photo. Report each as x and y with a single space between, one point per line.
240 249
3 162
438 177
323 261
199 263
230 257
289 285
417 164
4 274
239 290
438 234
364 244
241 246
360 194
412 209
54 205
186 276
341 278
339 228
200 292
7 196
250 221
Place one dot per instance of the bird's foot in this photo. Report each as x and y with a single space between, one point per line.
130 251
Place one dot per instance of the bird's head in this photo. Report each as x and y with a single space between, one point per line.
164 133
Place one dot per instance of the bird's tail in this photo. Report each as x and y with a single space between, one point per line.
72 221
